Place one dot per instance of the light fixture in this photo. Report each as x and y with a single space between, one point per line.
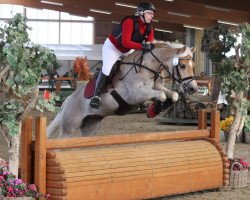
169 0
155 20
125 5
115 22
100 11
52 3
178 14
194 27
163 30
229 23
217 8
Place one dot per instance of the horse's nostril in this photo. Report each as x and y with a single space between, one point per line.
191 90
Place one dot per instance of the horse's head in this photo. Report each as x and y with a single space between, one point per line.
181 67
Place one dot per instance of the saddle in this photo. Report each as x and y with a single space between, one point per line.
90 87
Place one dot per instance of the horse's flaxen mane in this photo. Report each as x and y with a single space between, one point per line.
167 44
171 46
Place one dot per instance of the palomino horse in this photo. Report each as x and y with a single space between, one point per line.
139 79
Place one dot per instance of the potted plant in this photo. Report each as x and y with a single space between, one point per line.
14 188
81 69
238 172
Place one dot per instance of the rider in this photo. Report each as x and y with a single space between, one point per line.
131 34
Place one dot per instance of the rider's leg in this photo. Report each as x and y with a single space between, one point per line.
100 84
109 55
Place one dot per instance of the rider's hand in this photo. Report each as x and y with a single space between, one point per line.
148 47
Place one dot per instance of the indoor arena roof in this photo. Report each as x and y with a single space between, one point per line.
172 15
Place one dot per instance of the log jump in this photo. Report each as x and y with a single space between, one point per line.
129 166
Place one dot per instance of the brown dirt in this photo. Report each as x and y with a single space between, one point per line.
135 123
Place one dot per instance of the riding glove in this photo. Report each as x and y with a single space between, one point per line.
148 47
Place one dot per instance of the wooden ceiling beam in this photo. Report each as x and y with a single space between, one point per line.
84 11
197 14
241 5
197 9
161 15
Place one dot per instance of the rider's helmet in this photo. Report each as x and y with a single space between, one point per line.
145 6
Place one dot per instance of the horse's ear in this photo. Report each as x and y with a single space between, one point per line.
181 50
193 49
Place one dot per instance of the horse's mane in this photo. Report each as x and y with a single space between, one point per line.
167 44
172 45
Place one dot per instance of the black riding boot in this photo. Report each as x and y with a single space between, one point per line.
100 84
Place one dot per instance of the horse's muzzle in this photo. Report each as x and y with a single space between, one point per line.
191 90
190 87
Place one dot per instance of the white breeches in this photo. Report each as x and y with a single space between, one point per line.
110 54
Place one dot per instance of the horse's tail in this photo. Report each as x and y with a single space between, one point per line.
57 121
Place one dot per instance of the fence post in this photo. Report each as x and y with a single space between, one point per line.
26 140
40 154
202 119
215 124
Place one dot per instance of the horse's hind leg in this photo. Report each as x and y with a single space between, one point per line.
91 125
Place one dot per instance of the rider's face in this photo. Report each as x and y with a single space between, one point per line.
148 14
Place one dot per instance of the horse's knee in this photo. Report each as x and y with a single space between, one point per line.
175 96
162 96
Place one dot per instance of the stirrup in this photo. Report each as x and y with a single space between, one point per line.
95 102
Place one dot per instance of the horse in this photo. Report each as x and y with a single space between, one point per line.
140 78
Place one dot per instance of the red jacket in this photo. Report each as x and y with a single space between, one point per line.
127 30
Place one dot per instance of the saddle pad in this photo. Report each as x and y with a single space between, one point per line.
89 89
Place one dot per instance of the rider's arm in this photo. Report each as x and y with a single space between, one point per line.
127 30
150 37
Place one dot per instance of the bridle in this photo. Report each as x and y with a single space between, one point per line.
178 79
157 75
137 63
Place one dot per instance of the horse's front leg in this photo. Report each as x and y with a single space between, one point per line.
169 93
143 94
159 85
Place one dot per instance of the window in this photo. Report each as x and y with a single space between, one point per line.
32 13
52 27
8 11
44 35
76 33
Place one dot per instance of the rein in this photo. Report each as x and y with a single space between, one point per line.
179 80
156 73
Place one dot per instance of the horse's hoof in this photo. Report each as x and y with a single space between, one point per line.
150 112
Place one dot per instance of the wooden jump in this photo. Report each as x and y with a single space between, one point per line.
131 166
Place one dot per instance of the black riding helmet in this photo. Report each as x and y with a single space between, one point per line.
145 6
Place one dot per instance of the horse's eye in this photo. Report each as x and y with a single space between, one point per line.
182 66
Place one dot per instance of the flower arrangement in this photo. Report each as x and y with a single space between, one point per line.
81 68
238 173
10 186
226 123
243 163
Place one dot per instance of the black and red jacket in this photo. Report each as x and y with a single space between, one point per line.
133 31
